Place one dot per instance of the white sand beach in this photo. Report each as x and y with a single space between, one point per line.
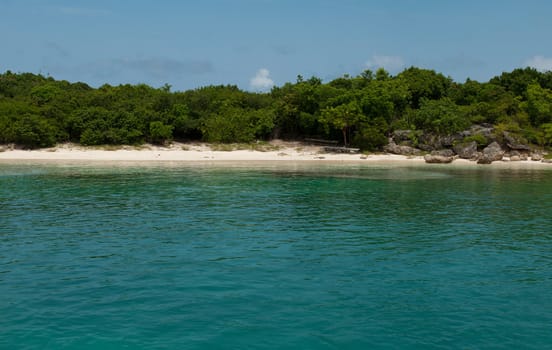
275 151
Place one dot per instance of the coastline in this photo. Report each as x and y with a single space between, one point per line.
275 152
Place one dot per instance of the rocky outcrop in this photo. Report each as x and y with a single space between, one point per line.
429 142
402 135
503 145
484 160
466 150
491 153
437 159
443 152
450 140
513 143
392 147
481 129
516 156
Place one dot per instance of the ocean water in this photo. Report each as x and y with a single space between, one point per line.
177 256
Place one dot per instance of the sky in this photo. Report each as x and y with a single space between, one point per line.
257 44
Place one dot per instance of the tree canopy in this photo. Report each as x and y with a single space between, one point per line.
363 110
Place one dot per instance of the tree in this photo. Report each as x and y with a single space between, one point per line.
441 116
160 133
539 104
342 117
232 124
547 128
32 131
424 83
518 80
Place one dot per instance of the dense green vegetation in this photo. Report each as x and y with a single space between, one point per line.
38 111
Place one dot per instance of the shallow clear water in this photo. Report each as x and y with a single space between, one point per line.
329 257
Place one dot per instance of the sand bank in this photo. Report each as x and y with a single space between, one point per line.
199 152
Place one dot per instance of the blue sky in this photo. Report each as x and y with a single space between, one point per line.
257 43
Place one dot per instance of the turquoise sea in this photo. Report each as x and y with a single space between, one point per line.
181 256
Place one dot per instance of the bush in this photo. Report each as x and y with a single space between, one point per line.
32 131
372 135
159 132
478 138
370 140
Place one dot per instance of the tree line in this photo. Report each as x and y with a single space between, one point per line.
363 110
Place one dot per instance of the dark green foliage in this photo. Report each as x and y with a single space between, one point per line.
372 135
518 80
159 132
425 84
363 110
232 124
32 131
478 138
441 116
539 104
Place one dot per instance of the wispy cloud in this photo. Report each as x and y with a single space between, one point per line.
83 11
540 63
391 63
261 81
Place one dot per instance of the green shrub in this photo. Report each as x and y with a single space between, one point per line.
478 138
32 131
159 132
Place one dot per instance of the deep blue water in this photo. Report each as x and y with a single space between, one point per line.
307 257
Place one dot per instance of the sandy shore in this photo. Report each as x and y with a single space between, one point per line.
177 152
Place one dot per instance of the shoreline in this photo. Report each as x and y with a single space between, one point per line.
279 152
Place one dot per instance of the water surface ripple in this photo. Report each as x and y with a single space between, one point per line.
328 257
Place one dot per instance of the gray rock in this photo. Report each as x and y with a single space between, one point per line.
513 143
429 142
392 147
515 158
443 152
484 129
437 159
493 151
537 157
466 150
450 140
548 161
512 154
484 159
402 135
426 147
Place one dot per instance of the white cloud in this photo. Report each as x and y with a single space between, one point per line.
540 63
261 81
390 63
